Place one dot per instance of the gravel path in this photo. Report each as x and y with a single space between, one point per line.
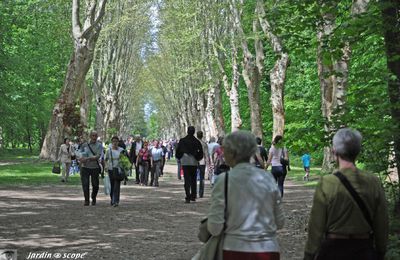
150 223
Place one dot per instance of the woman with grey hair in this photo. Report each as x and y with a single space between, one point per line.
253 211
349 214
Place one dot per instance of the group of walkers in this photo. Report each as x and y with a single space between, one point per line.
92 157
348 218
195 157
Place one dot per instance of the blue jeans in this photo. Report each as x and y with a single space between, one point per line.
279 175
115 188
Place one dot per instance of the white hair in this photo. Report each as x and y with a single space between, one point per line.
347 144
241 145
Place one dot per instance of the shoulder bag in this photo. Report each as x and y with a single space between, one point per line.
101 166
373 253
213 247
356 197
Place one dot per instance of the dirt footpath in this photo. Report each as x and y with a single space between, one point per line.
50 222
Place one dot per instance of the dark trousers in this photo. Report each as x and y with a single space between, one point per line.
144 174
347 249
279 175
137 174
115 188
189 173
94 176
202 169
179 169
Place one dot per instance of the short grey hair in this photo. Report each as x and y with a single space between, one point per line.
347 144
241 145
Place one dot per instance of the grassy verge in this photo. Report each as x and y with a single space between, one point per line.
32 173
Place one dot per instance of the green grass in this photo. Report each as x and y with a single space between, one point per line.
18 154
32 173
297 173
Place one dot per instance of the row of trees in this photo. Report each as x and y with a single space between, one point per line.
298 68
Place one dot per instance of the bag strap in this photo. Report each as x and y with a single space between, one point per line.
90 148
112 159
226 198
355 196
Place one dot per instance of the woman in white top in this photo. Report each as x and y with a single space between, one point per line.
254 212
64 157
112 159
276 153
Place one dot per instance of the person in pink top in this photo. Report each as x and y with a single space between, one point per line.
278 154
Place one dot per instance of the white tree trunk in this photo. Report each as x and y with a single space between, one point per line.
333 75
84 43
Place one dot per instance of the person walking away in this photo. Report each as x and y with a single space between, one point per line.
133 155
277 154
202 163
112 159
220 165
143 160
91 152
163 159
306 159
212 146
189 151
349 216
261 156
157 154
64 157
246 236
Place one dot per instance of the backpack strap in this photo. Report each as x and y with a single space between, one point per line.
356 197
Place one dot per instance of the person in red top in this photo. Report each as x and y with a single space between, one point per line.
144 162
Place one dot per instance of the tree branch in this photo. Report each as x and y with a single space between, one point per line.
99 16
76 24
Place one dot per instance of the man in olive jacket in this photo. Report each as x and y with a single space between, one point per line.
189 151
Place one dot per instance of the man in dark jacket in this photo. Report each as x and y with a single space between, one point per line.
189 151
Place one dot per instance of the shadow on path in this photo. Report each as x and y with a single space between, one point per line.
150 223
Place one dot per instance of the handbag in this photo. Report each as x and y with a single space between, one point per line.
107 185
213 247
56 168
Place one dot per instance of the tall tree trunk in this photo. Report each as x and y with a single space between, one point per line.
232 88
390 14
84 44
333 73
210 108
251 72
277 74
219 116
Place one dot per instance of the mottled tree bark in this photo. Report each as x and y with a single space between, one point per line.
277 74
333 73
85 38
251 72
